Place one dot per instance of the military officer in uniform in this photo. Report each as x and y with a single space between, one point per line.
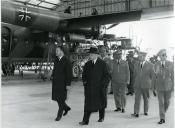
164 83
120 79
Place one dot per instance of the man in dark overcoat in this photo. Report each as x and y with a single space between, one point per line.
62 75
95 80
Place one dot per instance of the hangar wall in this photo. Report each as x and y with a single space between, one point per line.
84 7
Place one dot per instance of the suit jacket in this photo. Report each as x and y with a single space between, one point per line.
120 72
95 79
62 76
164 76
143 77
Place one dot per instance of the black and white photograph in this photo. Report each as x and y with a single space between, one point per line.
87 64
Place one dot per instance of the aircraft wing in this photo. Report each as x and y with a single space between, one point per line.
53 21
104 19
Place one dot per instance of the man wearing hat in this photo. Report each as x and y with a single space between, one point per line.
120 79
95 80
143 74
164 83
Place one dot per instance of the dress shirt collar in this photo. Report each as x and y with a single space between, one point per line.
162 62
143 62
118 60
60 57
94 61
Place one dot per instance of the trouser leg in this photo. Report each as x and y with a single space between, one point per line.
145 93
132 83
65 106
111 90
137 101
86 116
102 113
123 96
116 96
130 86
61 108
167 96
161 104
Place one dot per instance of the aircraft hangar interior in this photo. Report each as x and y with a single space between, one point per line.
87 63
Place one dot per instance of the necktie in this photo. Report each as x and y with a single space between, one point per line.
163 65
92 64
141 65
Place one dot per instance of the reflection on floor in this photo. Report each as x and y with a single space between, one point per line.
28 104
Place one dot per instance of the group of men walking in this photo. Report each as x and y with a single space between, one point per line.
98 72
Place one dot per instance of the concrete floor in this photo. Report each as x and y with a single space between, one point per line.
28 104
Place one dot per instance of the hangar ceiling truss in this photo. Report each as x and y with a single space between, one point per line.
45 4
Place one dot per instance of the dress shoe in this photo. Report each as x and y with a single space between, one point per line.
110 93
83 123
161 121
101 120
118 109
128 93
66 111
123 110
145 113
135 115
58 119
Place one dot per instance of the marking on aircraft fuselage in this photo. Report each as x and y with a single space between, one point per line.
24 14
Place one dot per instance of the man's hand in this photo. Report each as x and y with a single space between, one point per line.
68 87
154 93
68 91
128 83
84 83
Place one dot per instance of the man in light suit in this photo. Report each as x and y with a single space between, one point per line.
120 79
164 83
143 76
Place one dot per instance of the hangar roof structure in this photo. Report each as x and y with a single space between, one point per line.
46 4
81 8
